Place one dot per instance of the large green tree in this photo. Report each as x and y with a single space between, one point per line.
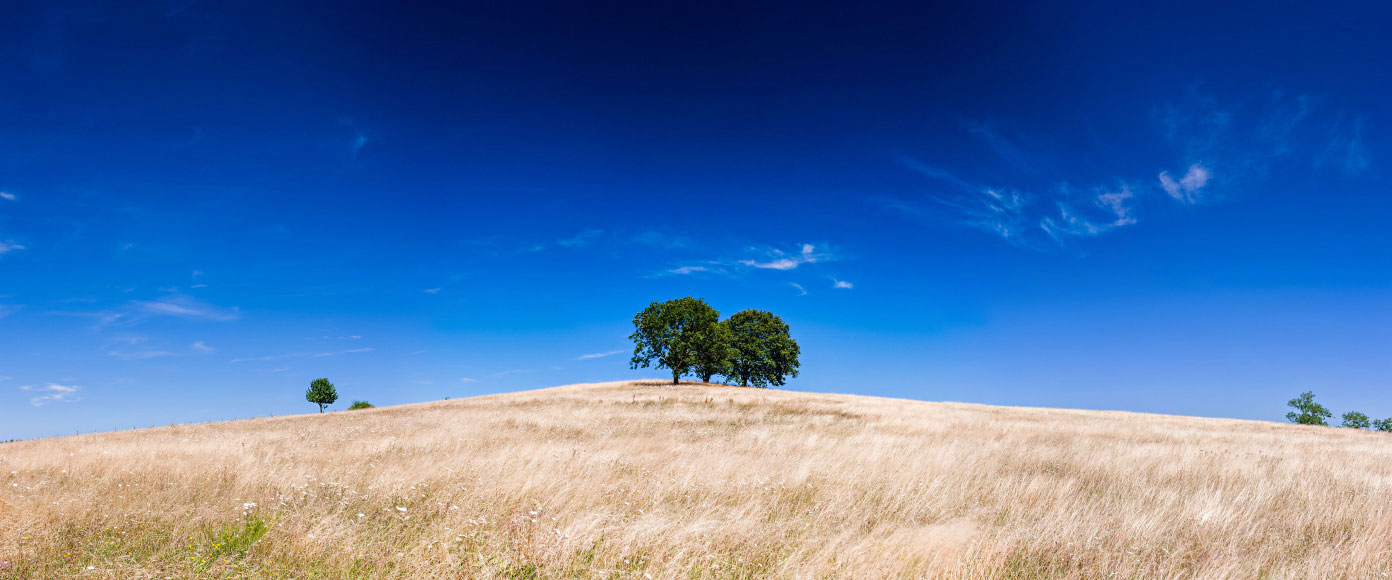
321 392
676 335
763 353
1307 411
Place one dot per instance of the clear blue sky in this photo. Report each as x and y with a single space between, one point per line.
1161 207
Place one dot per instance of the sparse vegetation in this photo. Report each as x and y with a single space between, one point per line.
321 392
361 405
621 481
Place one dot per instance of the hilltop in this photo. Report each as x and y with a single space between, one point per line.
643 479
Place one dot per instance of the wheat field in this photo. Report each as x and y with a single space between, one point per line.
646 480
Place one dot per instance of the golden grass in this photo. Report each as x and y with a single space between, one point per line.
637 480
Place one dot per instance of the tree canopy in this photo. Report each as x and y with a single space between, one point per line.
677 335
321 392
762 350
1307 411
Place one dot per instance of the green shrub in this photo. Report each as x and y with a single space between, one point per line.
1384 425
1356 420
360 405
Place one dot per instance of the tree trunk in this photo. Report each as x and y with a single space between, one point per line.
674 377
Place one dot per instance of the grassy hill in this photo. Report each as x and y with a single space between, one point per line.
638 480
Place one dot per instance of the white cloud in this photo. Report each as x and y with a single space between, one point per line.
842 284
784 261
689 269
801 291
199 346
1118 202
467 380
8 196
7 247
56 393
432 290
1186 189
599 354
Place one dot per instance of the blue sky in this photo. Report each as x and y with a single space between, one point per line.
1174 208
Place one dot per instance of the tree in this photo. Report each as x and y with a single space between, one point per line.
1310 412
713 352
1384 425
321 392
1356 420
674 334
764 353
360 405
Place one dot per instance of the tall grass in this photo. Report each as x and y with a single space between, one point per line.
624 480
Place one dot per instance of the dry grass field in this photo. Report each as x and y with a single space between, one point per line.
642 480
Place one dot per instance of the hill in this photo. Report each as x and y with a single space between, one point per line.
639 480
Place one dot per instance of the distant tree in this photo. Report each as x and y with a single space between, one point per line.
673 334
713 352
1384 425
321 392
360 405
1307 411
1356 420
764 354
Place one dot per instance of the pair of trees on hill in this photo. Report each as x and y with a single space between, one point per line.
1308 412
686 336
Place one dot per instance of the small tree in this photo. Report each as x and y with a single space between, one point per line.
672 335
321 392
1309 412
1384 425
1356 420
763 352
360 405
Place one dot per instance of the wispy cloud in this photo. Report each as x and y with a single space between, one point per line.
1186 189
780 260
600 354
581 239
7 247
1221 150
200 346
769 258
54 393
8 196
467 380
801 291
138 354
339 352
272 357
842 284
181 306
432 290
664 239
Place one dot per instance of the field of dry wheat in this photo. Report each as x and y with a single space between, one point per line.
644 480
